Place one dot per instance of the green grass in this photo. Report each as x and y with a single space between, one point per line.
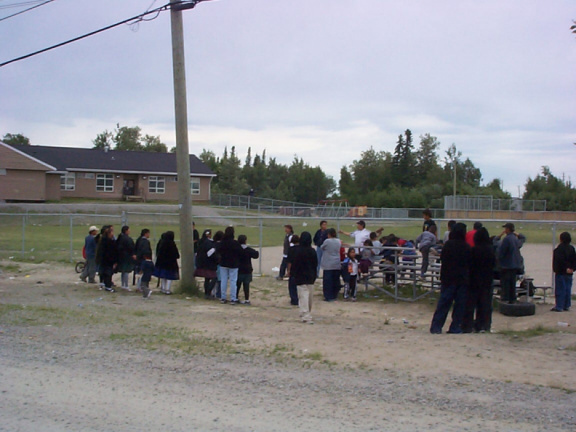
60 238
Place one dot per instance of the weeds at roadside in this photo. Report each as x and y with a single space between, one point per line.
528 333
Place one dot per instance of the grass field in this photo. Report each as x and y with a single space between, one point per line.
38 237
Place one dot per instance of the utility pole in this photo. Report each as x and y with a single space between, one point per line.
187 282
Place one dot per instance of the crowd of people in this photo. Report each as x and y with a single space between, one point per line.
470 261
222 261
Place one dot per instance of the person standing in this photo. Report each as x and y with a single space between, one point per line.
195 237
563 264
331 265
90 251
167 256
141 249
470 234
425 241
428 221
229 250
360 235
245 268
126 257
510 262
289 232
319 238
479 299
108 257
146 269
207 263
454 278
302 266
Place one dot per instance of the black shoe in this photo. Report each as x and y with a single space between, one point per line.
555 309
110 289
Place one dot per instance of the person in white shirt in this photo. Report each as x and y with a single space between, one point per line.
360 235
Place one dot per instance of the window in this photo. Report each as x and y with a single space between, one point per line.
104 183
156 184
2 171
68 182
195 186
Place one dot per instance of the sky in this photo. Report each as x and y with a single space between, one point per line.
323 80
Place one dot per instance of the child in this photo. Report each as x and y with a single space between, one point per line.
146 270
245 268
425 242
365 259
350 274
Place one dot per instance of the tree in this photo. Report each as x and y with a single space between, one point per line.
558 193
403 160
153 144
427 158
15 139
129 139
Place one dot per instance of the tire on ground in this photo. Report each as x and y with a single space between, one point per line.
517 309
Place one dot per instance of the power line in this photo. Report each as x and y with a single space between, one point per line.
25 10
136 19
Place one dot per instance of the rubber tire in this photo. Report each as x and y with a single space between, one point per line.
518 309
80 266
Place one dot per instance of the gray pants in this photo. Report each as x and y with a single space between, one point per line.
89 270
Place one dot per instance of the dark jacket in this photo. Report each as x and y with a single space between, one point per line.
482 265
108 252
125 246
455 259
303 261
167 254
203 261
142 248
509 253
320 236
564 257
90 246
229 250
245 260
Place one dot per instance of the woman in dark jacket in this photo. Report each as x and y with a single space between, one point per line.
108 254
479 299
563 264
126 256
245 268
229 250
454 278
207 262
167 256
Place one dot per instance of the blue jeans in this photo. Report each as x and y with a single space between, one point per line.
319 253
563 291
229 274
450 294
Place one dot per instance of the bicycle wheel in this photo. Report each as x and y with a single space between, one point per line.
80 266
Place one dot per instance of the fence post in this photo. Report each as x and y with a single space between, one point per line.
71 238
260 247
23 234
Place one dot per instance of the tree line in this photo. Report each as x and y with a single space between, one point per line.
410 176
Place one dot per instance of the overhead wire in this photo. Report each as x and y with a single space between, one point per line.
133 20
26 10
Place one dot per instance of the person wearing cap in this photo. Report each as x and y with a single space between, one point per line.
510 262
289 232
360 235
90 251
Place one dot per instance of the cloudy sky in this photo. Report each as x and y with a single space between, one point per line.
321 79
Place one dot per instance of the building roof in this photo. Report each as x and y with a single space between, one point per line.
70 159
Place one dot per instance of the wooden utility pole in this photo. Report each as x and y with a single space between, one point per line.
187 282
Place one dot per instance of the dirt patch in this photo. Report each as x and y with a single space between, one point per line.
186 363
